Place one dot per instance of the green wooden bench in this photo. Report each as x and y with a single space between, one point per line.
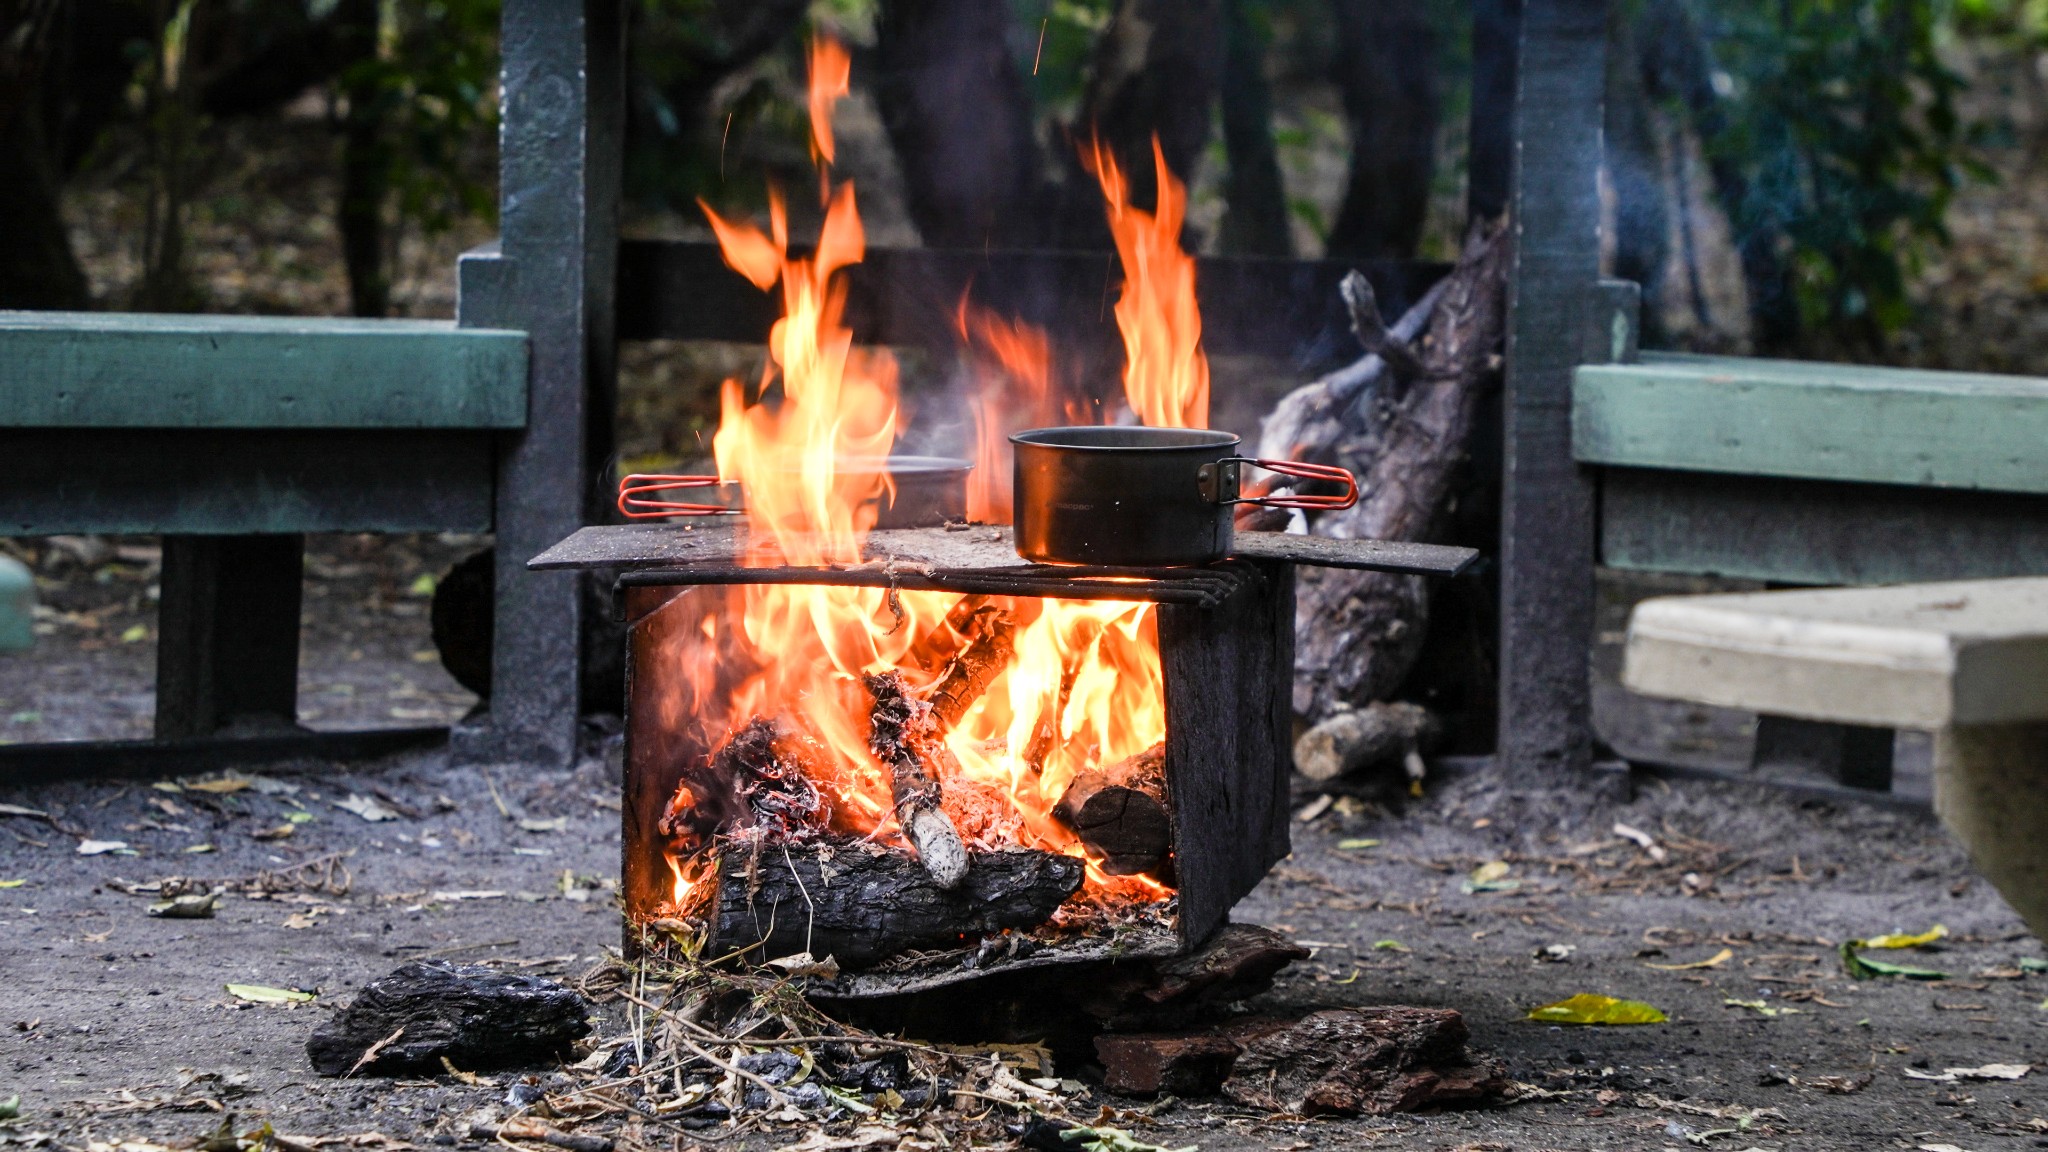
1801 474
233 437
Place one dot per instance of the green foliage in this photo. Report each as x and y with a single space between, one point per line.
433 82
1843 123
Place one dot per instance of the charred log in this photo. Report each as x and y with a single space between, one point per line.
466 1014
860 904
899 735
1120 813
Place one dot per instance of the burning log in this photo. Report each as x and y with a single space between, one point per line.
860 904
1120 813
901 726
974 669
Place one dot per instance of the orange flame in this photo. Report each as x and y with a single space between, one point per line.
1166 375
1012 361
831 78
1084 688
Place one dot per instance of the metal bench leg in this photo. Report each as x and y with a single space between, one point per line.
228 634
1852 754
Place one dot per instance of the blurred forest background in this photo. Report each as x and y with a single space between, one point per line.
1852 179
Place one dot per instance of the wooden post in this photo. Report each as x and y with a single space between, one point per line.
1547 521
552 276
228 634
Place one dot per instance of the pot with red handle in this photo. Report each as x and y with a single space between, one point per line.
1142 497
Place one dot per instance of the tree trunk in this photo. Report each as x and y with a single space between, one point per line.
1387 71
959 118
365 163
1635 170
1358 633
1255 218
37 266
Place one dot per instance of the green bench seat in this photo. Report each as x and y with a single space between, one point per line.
232 437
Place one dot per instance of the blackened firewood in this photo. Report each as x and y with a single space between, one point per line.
1348 1061
899 733
1120 813
974 669
475 1017
860 904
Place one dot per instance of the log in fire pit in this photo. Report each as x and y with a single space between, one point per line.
944 760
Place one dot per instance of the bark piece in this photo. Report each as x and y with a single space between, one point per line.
901 726
1352 741
1237 962
860 904
1147 1064
476 1017
1120 813
1352 1061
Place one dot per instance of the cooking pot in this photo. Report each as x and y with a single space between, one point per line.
927 491
1142 497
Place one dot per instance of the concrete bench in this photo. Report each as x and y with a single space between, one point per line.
232 437
1798 473
1966 660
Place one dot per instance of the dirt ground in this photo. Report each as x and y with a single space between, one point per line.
114 1025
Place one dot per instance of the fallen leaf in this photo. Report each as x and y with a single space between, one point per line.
18 810
101 847
865 1136
1490 877
451 896
1390 946
299 920
1714 961
366 807
555 825
12 883
1904 940
1761 1007
219 785
260 994
1981 1072
195 907
1941 1148
1314 808
1356 845
196 849
804 964
1864 968
135 634
2033 964
1590 1008
1840 1085
1556 953
275 832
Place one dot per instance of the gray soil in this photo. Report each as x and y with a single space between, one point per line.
106 1011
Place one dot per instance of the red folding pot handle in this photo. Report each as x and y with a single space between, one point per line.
1301 471
635 492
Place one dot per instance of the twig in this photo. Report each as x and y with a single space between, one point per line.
371 1053
1372 332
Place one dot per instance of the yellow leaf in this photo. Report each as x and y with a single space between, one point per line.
1490 871
219 785
258 994
1589 1008
1903 940
135 634
1714 961
12 883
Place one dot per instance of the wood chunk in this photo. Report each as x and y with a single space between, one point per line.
1352 1061
475 1017
900 727
861 904
1352 741
1120 813
974 669
1147 1064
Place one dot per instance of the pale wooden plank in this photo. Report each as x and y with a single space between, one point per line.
1817 421
134 370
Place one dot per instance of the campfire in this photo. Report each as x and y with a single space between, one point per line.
866 737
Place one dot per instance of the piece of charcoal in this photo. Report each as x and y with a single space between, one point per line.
475 1017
